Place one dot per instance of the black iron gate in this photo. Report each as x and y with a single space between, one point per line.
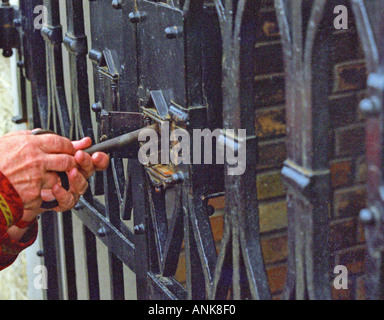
190 64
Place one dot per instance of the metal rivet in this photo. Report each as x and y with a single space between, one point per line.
7 53
366 216
116 4
174 32
370 106
139 229
96 107
178 177
17 22
136 16
40 253
101 232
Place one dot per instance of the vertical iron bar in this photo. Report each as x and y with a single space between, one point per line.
50 237
140 209
92 266
239 37
75 41
306 172
112 210
69 255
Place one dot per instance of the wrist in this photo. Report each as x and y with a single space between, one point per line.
24 224
29 217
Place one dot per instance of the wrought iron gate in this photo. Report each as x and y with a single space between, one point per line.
190 63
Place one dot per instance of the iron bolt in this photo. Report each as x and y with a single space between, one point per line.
178 177
96 107
366 216
116 4
136 16
101 232
370 106
173 32
139 229
17 22
40 253
7 53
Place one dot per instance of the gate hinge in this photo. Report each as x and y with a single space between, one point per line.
9 36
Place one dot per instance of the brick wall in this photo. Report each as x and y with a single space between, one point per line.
347 166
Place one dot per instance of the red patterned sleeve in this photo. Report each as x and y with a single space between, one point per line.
11 212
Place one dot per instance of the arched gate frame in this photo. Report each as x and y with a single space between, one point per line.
190 64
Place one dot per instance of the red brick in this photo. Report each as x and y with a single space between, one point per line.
349 202
277 276
270 90
342 234
361 293
341 173
342 294
349 76
274 248
273 216
270 123
272 154
349 140
354 260
270 185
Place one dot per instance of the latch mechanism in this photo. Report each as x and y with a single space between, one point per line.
162 109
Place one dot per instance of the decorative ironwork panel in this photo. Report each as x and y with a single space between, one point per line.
306 169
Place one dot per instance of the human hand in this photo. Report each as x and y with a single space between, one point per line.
30 162
86 166
99 161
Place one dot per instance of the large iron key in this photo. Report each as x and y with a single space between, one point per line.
118 142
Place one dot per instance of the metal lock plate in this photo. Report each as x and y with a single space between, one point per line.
117 123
